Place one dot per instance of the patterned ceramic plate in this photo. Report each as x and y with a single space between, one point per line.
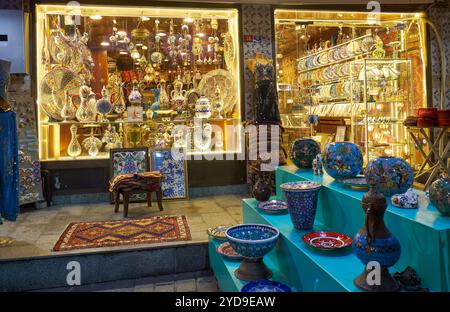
327 240
357 182
265 286
405 206
227 251
218 232
273 206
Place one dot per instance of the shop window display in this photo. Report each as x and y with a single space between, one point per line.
112 77
348 69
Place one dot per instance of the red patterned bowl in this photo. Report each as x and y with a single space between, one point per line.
427 112
443 114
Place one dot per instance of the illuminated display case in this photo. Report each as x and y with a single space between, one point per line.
111 77
354 70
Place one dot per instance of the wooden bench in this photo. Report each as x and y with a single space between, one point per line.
127 184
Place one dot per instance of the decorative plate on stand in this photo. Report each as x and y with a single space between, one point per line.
265 286
273 206
53 87
325 240
227 251
228 88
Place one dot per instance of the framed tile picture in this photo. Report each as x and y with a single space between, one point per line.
129 160
175 183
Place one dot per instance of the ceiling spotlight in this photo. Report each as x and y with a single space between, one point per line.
145 18
188 20
144 47
139 44
200 34
96 17
123 52
104 43
161 34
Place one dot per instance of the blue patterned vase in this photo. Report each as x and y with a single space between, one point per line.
391 175
303 151
374 243
439 194
342 160
301 198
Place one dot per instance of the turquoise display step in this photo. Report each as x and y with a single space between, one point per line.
224 269
424 234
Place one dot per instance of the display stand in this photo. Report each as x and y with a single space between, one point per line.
441 155
424 235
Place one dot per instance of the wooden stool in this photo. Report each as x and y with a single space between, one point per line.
126 185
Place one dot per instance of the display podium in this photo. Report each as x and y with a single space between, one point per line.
424 235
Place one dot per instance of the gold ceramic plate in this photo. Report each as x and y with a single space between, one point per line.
218 232
228 88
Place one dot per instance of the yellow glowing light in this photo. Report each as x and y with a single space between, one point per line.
95 17
104 43
188 20
122 33
135 54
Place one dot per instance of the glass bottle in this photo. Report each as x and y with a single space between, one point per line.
103 105
85 113
164 101
119 103
74 148
68 111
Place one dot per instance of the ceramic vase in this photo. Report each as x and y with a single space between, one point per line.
301 198
342 160
391 175
439 194
374 242
261 191
74 148
203 107
303 151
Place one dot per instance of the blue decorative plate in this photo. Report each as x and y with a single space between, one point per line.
273 206
265 286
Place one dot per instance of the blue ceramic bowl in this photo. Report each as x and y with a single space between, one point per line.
391 175
342 160
252 240
265 286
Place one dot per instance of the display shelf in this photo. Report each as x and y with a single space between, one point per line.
224 269
424 234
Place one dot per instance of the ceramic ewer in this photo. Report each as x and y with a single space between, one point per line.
375 245
261 190
301 199
303 151
253 242
391 175
342 160
439 194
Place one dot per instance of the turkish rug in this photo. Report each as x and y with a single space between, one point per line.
125 232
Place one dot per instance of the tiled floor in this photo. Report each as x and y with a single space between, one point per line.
35 232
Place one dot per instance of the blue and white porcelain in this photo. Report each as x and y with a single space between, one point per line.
342 160
265 286
391 175
301 198
409 199
252 240
317 164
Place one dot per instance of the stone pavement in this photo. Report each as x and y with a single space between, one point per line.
187 283
35 232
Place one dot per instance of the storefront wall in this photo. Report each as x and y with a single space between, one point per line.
257 36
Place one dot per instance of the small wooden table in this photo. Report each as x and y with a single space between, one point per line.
127 184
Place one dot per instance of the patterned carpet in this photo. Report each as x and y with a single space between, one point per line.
125 232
